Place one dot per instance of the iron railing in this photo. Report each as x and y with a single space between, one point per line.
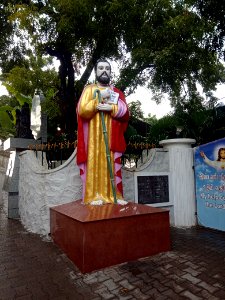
57 153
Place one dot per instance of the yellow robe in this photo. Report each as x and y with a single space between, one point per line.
97 183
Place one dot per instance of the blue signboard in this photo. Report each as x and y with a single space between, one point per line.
210 184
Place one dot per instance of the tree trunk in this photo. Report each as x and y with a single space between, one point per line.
89 68
68 122
67 94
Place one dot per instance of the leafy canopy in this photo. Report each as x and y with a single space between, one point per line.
172 46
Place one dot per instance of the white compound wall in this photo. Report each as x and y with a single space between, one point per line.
40 188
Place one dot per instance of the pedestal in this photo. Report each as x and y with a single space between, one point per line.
94 237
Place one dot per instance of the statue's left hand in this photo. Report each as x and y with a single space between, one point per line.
104 107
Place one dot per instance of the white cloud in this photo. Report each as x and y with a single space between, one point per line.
159 110
149 106
3 90
220 92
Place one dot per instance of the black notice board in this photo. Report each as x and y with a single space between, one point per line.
153 189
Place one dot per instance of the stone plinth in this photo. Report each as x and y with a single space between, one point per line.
95 237
19 144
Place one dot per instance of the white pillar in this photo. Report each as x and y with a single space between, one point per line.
181 161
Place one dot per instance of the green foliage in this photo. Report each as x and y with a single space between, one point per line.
19 97
214 11
191 119
22 82
6 133
151 119
8 100
35 75
196 119
131 131
51 105
164 128
6 31
169 52
135 109
6 123
8 106
5 119
170 46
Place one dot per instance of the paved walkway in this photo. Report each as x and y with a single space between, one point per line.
32 268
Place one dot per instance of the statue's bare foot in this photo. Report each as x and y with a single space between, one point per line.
97 202
121 202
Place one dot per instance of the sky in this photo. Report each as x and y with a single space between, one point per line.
149 106
159 110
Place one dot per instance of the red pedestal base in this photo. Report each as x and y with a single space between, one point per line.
94 237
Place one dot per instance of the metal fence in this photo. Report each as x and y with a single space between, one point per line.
57 153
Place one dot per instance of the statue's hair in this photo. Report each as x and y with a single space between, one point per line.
219 153
101 60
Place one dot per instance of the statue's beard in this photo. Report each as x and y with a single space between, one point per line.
103 79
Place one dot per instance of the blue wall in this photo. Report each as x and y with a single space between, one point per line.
210 185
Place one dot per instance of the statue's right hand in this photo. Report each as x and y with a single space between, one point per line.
104 107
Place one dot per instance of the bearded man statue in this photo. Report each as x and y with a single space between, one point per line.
92 149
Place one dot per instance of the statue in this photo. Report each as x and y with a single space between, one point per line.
38 119
102 121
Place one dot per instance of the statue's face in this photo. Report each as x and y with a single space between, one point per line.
103 72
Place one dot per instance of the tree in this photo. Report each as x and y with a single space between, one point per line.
71 30
195 119
169 51
164 128
36 74
161 43
135 109
7 127
151 119
191 119
214 11
8 108
6 32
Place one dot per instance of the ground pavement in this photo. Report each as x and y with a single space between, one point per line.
33 268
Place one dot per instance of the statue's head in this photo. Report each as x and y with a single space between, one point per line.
103 71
